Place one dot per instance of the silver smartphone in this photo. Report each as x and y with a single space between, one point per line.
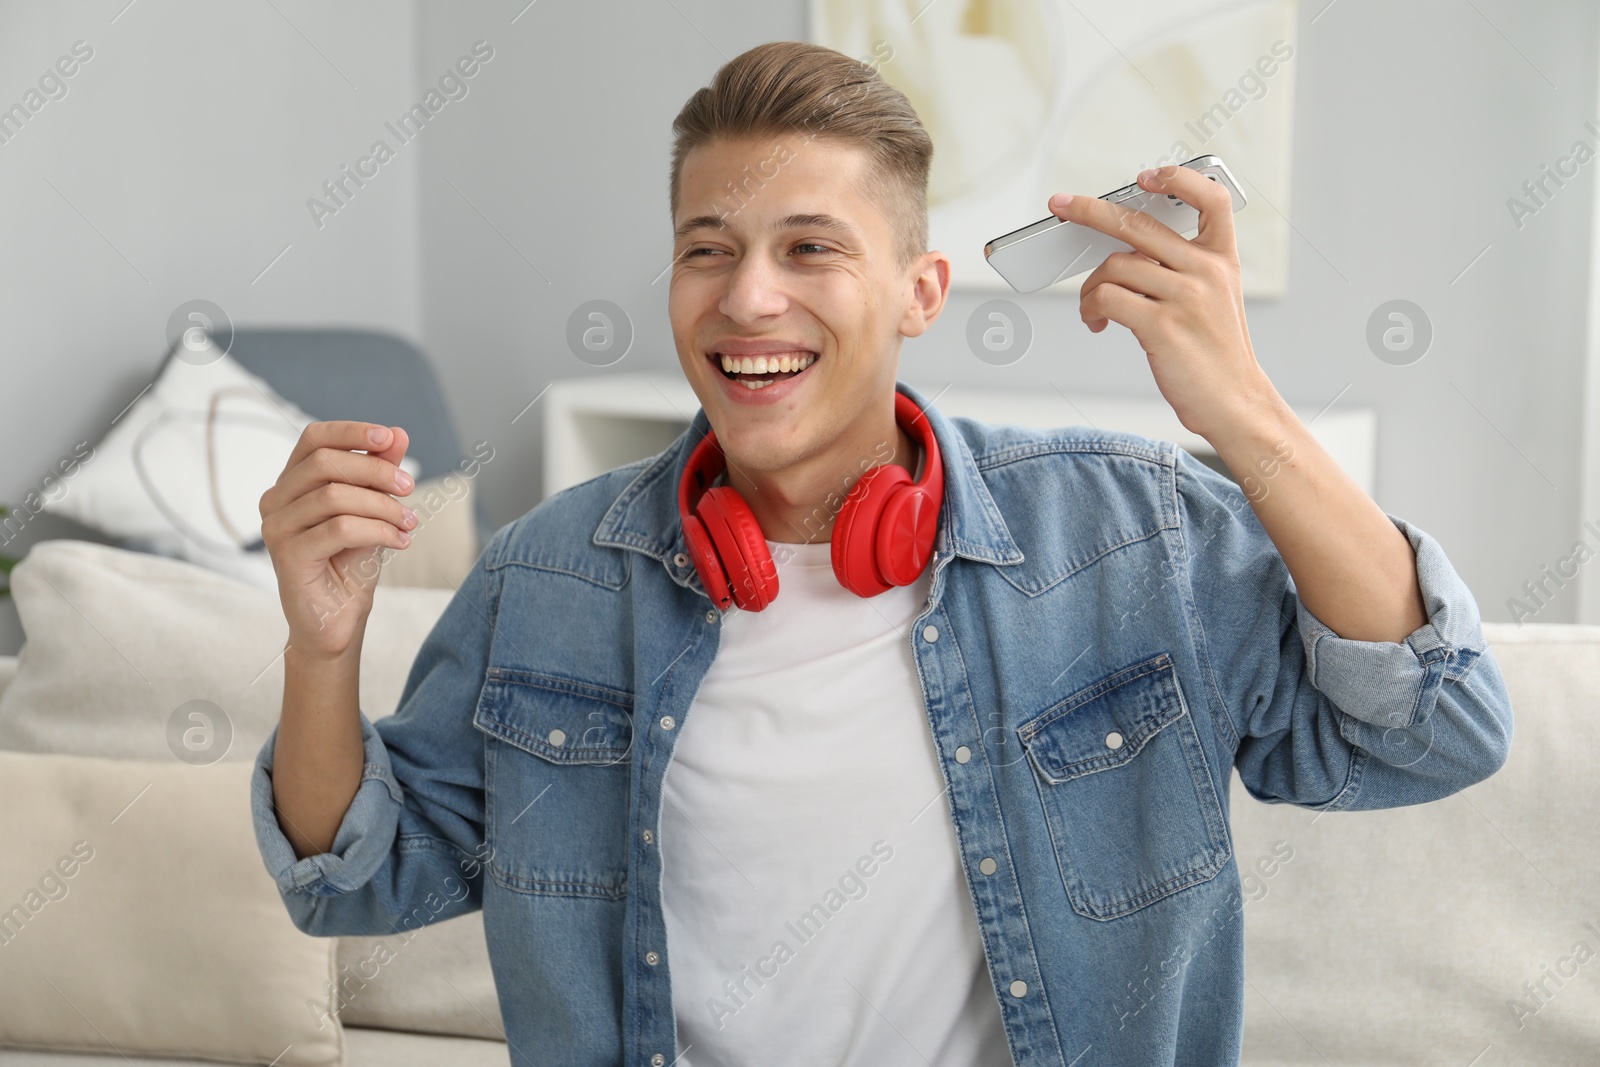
1052 249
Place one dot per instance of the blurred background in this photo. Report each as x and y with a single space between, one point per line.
180 161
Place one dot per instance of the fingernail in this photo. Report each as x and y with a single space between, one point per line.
402 480
405 538
378 434
408 515
1061 200
1146 175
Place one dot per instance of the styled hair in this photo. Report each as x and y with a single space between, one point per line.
793 87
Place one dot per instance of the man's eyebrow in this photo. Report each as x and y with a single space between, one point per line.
804 220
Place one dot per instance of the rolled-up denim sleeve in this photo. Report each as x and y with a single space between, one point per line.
363 840
410 848
1324 721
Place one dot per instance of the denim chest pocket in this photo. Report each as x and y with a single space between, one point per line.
1129 802
556 772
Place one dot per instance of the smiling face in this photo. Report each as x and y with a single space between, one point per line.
786 301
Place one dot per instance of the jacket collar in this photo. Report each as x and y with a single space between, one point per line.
644 516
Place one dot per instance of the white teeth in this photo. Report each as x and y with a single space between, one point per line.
748 384
783 364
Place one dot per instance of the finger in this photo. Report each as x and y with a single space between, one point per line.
1110 301
1206 195
346 434
1135 271
332 536
335 465
1142 231
335 498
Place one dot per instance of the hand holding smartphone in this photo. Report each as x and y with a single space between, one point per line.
1052 249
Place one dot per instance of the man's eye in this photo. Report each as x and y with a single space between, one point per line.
809 244
696 251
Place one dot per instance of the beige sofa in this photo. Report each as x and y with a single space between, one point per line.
169 938
1457 932
452 950
1461 932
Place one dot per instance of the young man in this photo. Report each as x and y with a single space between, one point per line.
952 785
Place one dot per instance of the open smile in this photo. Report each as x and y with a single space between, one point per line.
758 372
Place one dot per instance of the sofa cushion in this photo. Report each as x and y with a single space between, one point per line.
139 656
435 979
122 649
1432 933
444 543
136 918
362 1048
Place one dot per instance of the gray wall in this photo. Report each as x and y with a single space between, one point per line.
193 138
178 166
1414 123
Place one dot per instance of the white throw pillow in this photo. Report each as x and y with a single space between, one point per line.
136 917
181 472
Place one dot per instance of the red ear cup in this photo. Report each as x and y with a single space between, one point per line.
905 535
741 547
704 555
734 566
855 550
884 534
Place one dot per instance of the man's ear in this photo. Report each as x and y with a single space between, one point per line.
930 287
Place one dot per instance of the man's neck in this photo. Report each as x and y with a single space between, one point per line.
800 503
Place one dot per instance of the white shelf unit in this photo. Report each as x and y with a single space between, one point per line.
595 424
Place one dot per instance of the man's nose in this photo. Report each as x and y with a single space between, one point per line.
755 289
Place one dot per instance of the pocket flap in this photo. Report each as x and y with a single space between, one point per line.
559 719
1106 724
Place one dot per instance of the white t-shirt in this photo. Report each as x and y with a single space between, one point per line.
815 906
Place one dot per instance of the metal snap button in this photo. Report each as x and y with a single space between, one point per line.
668 722
963 754
557 736
1113 740
1019 988
930 633
987 865
680 560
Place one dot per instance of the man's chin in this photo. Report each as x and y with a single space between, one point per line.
753 443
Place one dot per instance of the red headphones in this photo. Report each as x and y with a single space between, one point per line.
882 537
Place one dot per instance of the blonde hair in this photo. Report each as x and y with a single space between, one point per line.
785 87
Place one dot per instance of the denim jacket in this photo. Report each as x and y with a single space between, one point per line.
1109 633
